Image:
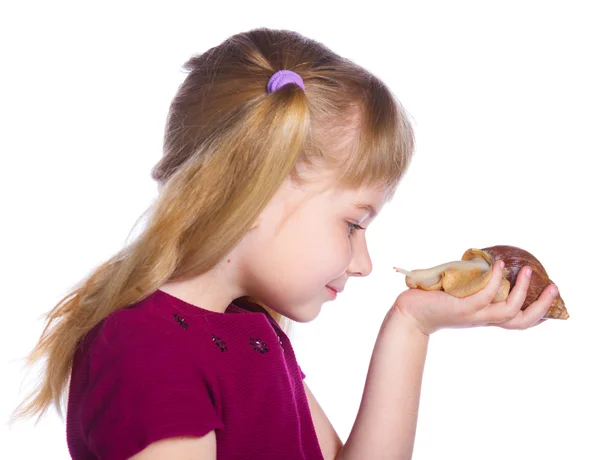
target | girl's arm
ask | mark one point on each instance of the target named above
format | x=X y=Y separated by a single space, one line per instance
x=387 y=418
x=386 y=423
x=329 y=441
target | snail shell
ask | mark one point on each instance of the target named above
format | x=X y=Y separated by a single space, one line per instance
x=473 y=272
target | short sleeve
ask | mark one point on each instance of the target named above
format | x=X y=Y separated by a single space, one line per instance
x=144 y=386
x=302 y=375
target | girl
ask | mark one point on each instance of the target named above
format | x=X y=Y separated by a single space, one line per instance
x=278 y=153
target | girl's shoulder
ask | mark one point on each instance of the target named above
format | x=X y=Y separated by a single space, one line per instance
x=145 y=323
x=164 y=327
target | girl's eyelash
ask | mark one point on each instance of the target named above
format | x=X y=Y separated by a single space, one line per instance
x=354 y=227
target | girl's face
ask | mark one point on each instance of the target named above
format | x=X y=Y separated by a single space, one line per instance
x=304 y=240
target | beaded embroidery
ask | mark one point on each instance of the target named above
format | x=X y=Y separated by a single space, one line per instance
x=219 y=342
x=180 y=320
x=258 y=345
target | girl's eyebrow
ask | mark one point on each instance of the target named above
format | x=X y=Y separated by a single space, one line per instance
x=366 y=207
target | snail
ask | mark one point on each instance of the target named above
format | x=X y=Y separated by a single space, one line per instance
x=472 y=273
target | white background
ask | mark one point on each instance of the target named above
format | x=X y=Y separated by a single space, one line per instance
x=505 y=102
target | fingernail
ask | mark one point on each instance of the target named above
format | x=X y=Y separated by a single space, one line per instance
x=553 y=290
x=501 y=264
x=527 y=271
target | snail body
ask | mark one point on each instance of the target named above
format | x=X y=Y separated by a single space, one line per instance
x=472 y=273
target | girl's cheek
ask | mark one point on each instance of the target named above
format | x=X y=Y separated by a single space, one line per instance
x=345 y=252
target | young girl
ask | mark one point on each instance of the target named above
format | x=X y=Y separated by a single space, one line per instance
x=278 y=153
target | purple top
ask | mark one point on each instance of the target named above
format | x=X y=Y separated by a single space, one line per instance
x=163 y=367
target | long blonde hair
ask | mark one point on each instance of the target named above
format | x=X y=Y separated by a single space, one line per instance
x=228 y=146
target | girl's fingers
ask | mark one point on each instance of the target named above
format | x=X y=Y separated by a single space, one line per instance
x=476 y=302
x=534 y=313
x=501 y=312
x=543 y=320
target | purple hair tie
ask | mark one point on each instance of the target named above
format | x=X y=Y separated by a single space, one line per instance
x=283 y=77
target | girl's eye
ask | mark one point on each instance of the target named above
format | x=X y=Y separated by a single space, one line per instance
x=354 y=227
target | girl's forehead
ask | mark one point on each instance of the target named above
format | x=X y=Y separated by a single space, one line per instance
x=322 y=186
x=366 y=199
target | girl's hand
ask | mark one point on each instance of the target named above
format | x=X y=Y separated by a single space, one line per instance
x=434 y=310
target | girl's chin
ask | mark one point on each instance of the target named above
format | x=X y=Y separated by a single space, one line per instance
x=307 y=315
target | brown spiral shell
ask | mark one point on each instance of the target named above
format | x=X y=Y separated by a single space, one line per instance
x=514 y=259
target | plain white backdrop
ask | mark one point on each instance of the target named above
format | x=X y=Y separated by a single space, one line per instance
x=504 y=98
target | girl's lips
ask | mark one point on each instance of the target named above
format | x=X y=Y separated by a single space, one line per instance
x=332 y=291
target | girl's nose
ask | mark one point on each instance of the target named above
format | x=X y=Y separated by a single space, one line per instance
x=360 y=264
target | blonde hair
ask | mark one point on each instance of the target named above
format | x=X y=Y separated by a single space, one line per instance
x=228 y=146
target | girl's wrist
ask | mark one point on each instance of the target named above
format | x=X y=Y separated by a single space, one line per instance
x=405 y=322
